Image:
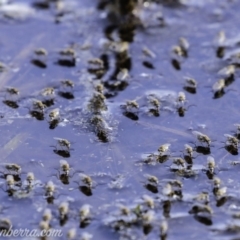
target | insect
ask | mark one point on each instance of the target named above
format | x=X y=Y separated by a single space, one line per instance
x=49 y=189
x=179 y=162
x=154 y=105
x=219 y=86
x=211 y=164
x=64 y=166
x=202 y=197
x=188 y=150
x=164 y=148
x=49 y=91
x=188 y=154
x=63 y=143
x=149 y=201
x=220 y=192
x=47 y=215
x=84 y=214
x=86 y=236
x=174 y=183
x=152 y=183
x=63 y=210
x=118 y=47
x=123 y=74
x=10 y=185
x=181 y=110
x=167 y=190
x=71 y=234
x=41 y=52
x=44 y=225
x=30 y=178
x=146 y=51
x=96 y=61
x=97 y=103
x=231 y=140
x=99 y=88
x=147 y=219
x=220 y=42
x=86 y=179
x=227 y=71
x=177 y=50
x=12 y=91
x=124 y=210
x=131 y=109
x=211 y=167
x=54 y=118
x=203 y=138
x=191 y=82
x=216 y=182
x=190 y=85
x=54 y=114
x=13 y=167
x=64 y=175
x=152 y=179
x=131 y=104
x=38 y=105
x=70 y=52
x=184 y=45
x=67 y=83
x=100 y=128
x=10 y=182
x=86 y=187
x=163 y=229
x=181 y=97
x=5 y=226
x=154 y=102
x=201 y=208
x=40 y=58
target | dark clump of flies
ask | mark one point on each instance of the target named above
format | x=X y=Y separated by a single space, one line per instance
x=124 y=24
x=100 y=128
x=119 y=79
x=97 y=122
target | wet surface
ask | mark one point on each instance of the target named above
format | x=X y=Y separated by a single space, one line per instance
x=110 y=119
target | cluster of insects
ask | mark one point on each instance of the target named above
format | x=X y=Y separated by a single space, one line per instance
x=14 y=185
x=40 y=104
x=110 y=73
x=66 y=57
